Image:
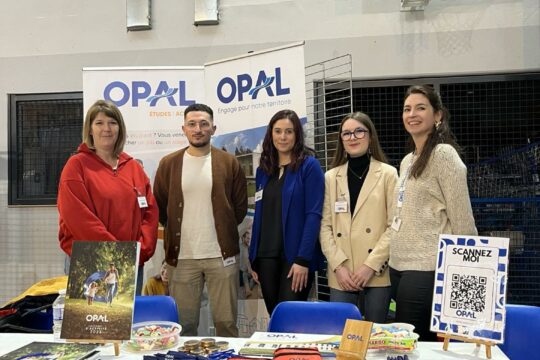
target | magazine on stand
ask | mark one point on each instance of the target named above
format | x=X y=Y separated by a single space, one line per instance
x=101 y=290
x=53 y=351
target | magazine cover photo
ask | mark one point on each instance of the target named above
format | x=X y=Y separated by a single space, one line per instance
x=101 y=290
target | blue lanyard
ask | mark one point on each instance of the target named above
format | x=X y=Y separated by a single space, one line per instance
x=401 y=192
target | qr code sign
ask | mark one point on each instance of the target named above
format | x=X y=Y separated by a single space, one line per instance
x=468 y=292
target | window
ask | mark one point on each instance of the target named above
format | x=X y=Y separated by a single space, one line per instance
x=44 y=130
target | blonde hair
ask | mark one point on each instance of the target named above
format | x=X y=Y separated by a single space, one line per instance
x=111 y=110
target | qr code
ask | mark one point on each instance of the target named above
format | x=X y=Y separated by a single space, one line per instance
x=468 y=292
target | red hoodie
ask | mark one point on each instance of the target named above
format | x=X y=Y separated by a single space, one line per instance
x=96 y=202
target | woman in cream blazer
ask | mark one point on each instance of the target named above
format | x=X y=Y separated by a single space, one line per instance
x=356 y=216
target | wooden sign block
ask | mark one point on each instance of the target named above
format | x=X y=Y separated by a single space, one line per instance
x=355 y=340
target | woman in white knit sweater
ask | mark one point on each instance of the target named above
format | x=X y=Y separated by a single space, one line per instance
x=431 y=198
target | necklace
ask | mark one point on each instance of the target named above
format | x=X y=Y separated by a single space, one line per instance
x=358 y=176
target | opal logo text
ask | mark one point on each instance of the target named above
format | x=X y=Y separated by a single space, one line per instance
x=93 y=318
x=244 y=85
x=466 y=314
x=121 y=93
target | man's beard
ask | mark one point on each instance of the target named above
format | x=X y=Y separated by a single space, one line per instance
x=199 y=145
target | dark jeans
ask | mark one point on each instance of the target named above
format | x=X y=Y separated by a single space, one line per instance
x=413 y=292
x=274 y=283
x=373 y=301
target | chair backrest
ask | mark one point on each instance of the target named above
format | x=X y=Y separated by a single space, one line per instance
x=155 y=308
x=312 y=317
x=521 y=331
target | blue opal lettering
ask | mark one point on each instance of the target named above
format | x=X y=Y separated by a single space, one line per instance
x=279 y=89
x=143 y=91
x=229 y=89
x=244 y=85
x=140 y=90
x=120 y=85
x=223 y=98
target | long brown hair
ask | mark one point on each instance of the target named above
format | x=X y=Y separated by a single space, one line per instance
x=340 y=157
x=269 y=162
x=440 y=134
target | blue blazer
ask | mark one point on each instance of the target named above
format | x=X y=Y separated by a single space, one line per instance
x=302 y=202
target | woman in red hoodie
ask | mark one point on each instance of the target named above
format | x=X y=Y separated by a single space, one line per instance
x=104 y=194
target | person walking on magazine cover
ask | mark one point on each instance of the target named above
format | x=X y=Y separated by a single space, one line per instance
x=111 y=281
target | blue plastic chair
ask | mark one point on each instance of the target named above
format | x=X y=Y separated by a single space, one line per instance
x=521 y=331
x=155 y=308
x=312 y=317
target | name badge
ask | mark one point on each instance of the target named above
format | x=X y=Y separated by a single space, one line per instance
x=142 y=201
x=229 y=261
x=258 y=195
x=396 y=223
x=341 y=207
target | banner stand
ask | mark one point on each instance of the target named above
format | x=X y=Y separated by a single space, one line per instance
x=478 y=342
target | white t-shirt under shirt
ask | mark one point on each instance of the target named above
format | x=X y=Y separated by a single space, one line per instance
x=199 y=237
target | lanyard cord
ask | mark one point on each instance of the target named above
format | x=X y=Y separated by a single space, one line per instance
x=401 y=192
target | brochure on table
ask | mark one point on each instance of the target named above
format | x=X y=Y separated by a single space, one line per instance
x=101 y=291
x=470 y=287
x=51 y=350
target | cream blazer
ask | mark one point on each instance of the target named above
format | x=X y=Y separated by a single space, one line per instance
x=362 y=238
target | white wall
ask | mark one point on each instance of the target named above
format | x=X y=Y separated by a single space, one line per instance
x=44 y=44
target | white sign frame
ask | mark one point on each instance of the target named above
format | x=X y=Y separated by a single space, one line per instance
x=471 y=269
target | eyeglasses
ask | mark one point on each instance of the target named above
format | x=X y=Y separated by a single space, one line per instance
x=203 y=125
x=358 y=133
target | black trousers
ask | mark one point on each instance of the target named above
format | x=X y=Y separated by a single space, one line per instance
x=413 y=292
x=274 y=283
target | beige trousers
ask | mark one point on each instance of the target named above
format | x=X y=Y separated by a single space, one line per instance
x=186 y=283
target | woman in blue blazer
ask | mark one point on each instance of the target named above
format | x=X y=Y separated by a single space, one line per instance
x=285 y=250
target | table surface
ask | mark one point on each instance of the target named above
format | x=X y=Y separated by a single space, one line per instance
x=425 y=350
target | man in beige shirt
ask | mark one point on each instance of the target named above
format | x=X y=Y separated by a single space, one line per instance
x=201 y=193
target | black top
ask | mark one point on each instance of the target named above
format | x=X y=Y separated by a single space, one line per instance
x=271 y=241
x=357 y=170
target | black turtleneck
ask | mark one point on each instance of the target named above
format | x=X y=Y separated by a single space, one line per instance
x=357 y=167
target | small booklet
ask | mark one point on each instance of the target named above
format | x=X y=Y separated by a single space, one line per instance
x=101 y=291
x=53 y=351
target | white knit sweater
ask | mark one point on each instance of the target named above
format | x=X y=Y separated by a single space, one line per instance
x=436 y=203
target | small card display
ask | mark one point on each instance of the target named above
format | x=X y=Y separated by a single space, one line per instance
x=470 y=287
